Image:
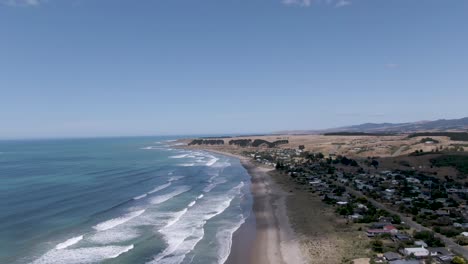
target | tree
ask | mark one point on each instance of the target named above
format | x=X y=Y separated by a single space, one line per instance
x=458 y=260
x=377 y=246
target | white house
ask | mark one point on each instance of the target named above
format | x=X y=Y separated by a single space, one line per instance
x=417 y=252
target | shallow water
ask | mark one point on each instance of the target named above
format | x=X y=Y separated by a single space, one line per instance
x=125 y=200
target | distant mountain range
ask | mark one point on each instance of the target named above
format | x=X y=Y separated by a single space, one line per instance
x=437 y=125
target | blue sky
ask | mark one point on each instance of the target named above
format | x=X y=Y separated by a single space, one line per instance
x=150 y=67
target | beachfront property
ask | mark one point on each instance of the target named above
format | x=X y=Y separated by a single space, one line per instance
x=388 y=229
x=411 y=194
x=418 y=252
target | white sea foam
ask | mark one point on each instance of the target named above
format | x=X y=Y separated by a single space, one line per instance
x=223 y=164
x=184 y=235
x=192 y=203
x=82 y=255
x=117 y=235
x=69 y=242
x=186 y=164
x=165 y=197
x=179 y=156
x=175 y=178
x=156 y=189
x=176 y=218
x=151 y=147
x=214 y=184
x=225 y=240
x=170 y=173
x=200 y=196
x=159 y=188
x=140 y=197
x=212 y=161
x=117 y=221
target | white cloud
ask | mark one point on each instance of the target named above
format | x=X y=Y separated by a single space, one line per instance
x=21 y=2
x=304 y=3
x=342 y=3
x=308 y=3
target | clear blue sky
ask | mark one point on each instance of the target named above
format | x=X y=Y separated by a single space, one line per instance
x=149 y=67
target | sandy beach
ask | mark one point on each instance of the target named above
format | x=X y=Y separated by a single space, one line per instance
x=274 y=241
x=289 y=224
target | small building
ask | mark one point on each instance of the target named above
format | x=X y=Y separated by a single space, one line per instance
x=389 y=256
x=420 y=243
x=403 y=261
x=417 y=252
x=402 y=237
x=439 y=251
x=388 y=229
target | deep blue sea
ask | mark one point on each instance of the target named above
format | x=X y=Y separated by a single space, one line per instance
x=118 y=200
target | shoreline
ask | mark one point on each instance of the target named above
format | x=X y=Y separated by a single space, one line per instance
x=274 y=240
x=291 y=224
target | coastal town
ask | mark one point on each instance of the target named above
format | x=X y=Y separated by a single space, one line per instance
x=406 y=216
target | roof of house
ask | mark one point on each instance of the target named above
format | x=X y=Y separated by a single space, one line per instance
x=392 y=256
x=420 y=243
x=401 y=261
x=418 y=251
x=377 y=231
x=440 y=251
x=402 y=236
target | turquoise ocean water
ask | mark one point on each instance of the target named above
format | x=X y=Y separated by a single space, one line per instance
x=118 y=200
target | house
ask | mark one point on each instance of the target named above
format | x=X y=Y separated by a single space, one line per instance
x=388 y=229
x=402 y=261
x=417 y=252
x=355 y=216
x=420 y=243
x=389 y=256
x=445 y=259
x=385 y=219
x=402 y=237
x=439 y=251
x=442 y=212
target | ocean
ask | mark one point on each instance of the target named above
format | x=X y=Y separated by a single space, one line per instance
x=118 y=200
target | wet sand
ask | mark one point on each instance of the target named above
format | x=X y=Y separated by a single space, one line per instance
x=267 y=236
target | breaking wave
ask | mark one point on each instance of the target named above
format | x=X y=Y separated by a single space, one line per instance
x=69 y=242
x=117 y=221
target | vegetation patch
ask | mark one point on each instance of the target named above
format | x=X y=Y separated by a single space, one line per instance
x=428 y=139
x=357 y=134
x=457 y=136
x=207 y=142
x=458 y=161
x=256 y=143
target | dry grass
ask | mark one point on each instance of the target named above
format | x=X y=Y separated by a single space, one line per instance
x=351 y=146
x=325 y=237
